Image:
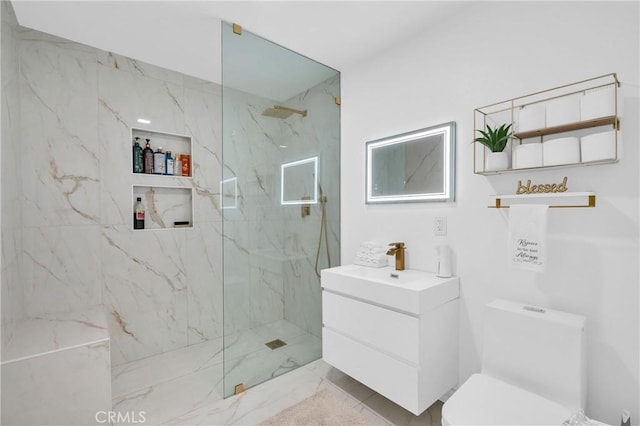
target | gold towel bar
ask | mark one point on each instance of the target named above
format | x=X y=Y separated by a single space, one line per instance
x=590 y=203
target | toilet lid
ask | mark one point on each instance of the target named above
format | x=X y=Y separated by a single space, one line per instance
x=483 y=400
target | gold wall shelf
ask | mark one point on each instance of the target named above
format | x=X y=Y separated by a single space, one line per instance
x=556 y=166
x=604 y=121
x=507 y=111
x=554 y=200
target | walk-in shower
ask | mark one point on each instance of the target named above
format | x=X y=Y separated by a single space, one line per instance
x=280 y=202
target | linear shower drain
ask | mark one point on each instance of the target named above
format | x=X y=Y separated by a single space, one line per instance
x=275 y=344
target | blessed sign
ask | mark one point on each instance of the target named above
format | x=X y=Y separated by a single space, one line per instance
x=541 y=188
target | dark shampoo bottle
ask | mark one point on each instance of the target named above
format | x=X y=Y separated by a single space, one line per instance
x=138 y=214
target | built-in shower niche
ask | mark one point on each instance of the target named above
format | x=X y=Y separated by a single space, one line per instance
x=168 y=198
x=166 y=207
x=178 y=145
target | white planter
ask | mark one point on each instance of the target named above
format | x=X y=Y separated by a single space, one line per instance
x=563 y=111
x=496 y=161
x=531 y=118
x=527 y=155
x=598 y=146
x=561 y=151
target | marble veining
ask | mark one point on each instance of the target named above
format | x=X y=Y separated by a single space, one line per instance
x=140 y=374
x=12 y=296
x=64 y=387
x=57 y=369
x=191 y=378
x=51 y=333
x=60 y=272
x=164 y=405
x=64 y=148
x=70 y=226
x=204 y=283
x=67 y=201
x=138 y=68
x=145 y=291
x=269 y=249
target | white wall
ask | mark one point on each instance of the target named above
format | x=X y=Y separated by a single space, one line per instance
x=492 y=52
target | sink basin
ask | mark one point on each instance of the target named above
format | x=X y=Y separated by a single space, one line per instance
x=410 y=291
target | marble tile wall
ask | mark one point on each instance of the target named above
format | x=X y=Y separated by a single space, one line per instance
x=57 y=370
x=252 y=230
x=317 y=134
x=12 y=290
x=170 y=293
x=67 y=387
x=270 y=248
x=162 y=289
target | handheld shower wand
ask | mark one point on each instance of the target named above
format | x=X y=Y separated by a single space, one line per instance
x=323 y=228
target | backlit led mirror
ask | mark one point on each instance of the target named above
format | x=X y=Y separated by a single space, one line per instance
x=299 y=182
x=229 y=193
x=411 y=167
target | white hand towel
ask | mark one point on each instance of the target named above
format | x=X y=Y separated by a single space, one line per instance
x=528 y=236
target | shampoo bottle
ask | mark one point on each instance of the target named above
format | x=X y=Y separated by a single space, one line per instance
x=168 y=169
x=148 y=157
x=159 y=160
x=186 y=164
x=177 y=166
x=138 y=214
x=138 y=159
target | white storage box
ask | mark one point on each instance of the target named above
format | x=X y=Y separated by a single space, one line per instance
x=598 y=103
x=561 y=151
x=563 y=111
x=598 y=146
x=527 y=155
x=531 y=118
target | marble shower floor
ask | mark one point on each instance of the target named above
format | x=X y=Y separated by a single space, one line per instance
x=184 y=387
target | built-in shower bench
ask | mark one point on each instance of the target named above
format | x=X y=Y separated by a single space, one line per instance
x=57 y=370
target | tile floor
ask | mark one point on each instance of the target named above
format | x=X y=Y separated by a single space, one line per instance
x=184 y=387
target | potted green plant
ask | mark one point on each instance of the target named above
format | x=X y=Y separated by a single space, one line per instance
x=495 y=139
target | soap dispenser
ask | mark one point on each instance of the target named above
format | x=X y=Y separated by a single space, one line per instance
x=444 y=262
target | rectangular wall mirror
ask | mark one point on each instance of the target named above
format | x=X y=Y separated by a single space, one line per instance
x=413 y=166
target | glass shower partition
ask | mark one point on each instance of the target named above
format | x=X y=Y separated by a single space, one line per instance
x=280 y=196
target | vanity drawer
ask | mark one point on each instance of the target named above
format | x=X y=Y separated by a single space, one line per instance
x=391 y=332
x=386 y=375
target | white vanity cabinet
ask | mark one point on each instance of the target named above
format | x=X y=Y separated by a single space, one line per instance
x=394 y=331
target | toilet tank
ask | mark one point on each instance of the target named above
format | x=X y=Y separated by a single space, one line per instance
x=540 y=350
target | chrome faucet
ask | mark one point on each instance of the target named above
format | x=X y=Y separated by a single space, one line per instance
x=398 y=251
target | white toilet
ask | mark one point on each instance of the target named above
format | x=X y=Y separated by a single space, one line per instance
x=533 y=369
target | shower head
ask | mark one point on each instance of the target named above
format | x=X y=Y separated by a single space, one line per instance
x=282 y=112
